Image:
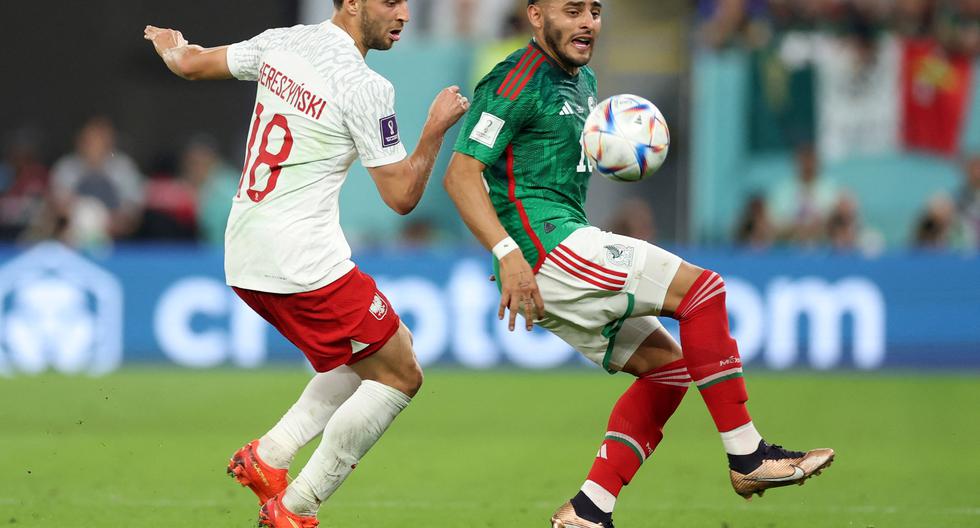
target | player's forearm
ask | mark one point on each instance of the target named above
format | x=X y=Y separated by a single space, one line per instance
x=420 y=163
x=195 y=63
x=465 y=187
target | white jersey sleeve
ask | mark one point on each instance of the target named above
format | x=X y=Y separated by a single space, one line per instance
x=370 y=119
x=245 y=58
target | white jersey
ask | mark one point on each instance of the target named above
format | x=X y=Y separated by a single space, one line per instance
x=318 y=108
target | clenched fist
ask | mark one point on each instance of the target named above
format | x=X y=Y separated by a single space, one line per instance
x=447 y=108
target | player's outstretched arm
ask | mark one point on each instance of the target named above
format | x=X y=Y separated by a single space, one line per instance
x=518 y=289
x=188 y=61
x=401 y=184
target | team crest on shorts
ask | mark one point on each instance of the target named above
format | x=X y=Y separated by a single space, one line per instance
x=379 y=308
x=620 y=254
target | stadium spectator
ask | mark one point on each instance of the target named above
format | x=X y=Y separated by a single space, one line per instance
x=418 y=232
x=634 y=217
x=843 y=226
x=914 y=18
x=968 y=201
x=97 y=192
x=732 y=22
x=754 y=227
x=215 y=182
x=169 y=206
x=23 y=185
x=194 y=202
x=958 y=28
x=514 y=33
x=800 y=206
x=846 y=231
x=468 y=19
x=938 y=225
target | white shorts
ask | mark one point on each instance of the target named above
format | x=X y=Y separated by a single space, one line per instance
x=602 y=291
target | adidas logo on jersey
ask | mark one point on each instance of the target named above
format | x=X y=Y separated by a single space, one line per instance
x=566 y=109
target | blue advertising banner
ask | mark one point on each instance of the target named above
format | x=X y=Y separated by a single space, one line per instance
x=66 y=312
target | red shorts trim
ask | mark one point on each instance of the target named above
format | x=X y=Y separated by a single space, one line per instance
x=326 y=323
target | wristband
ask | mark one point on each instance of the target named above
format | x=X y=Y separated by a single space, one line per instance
x=504 y=247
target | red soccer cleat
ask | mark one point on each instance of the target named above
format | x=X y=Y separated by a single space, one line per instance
x=274 y=515
x=249 y=470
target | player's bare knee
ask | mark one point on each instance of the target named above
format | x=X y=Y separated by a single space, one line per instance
x=408 y=332
x=408 y=371
x=413 y=379
x=711 y=289
x=657 y=350
x=687 y=274
x=674 y=353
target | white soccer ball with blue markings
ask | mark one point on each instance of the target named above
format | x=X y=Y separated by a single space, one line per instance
x=626 y=137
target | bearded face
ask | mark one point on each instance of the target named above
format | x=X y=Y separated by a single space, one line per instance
x=382 y=22
x=570 y=29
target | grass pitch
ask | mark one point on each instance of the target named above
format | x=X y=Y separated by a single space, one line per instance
x=147 y=448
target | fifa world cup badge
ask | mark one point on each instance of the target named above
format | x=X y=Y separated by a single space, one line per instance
x=389 y=131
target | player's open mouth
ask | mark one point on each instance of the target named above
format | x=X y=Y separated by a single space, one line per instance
x=395 y=34
x=582 y=43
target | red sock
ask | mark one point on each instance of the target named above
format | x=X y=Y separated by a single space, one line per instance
x=636 y=425
x=711 y=353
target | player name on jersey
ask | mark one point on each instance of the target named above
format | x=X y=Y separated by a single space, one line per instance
x=293 y=93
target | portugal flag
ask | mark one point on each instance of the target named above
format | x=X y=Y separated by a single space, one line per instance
x=935 y=91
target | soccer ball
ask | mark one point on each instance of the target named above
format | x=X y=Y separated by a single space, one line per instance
x=626 y=137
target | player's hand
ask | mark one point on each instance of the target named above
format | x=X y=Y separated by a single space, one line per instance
x=447 y=108
x=519 y=290
x=163 y=39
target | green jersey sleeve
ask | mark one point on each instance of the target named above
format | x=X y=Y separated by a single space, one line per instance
x=494 y=119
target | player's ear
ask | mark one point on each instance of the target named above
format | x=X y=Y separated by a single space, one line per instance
x=351 y=7
x=535 y=16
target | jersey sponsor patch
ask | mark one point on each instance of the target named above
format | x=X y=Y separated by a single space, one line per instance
x=487 y=129
x=389 y=131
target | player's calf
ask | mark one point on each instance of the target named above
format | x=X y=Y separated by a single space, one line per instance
x=390 y=375
x=716 y=368
x=634 y=430
x=394 y=365
x=711 y=353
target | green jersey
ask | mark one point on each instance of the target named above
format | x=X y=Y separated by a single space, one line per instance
x=525 y=124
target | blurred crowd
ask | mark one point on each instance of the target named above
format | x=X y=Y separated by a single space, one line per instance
x=954 y=24
x=806 y=210
x=97 y=194
x=834 y=80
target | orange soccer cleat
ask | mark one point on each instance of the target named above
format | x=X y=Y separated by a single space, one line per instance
x=249 y=470
x=274 y=515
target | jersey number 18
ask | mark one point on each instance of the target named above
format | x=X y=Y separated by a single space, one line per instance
x=273 y=160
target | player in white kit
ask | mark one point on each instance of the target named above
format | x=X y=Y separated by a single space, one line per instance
x=318 y=108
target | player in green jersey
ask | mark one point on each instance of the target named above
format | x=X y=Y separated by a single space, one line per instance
x=519 y=179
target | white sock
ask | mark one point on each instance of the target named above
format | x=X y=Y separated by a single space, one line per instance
x=604 y=500
x=349 y=434
x=742 y=440
x=308 y=416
